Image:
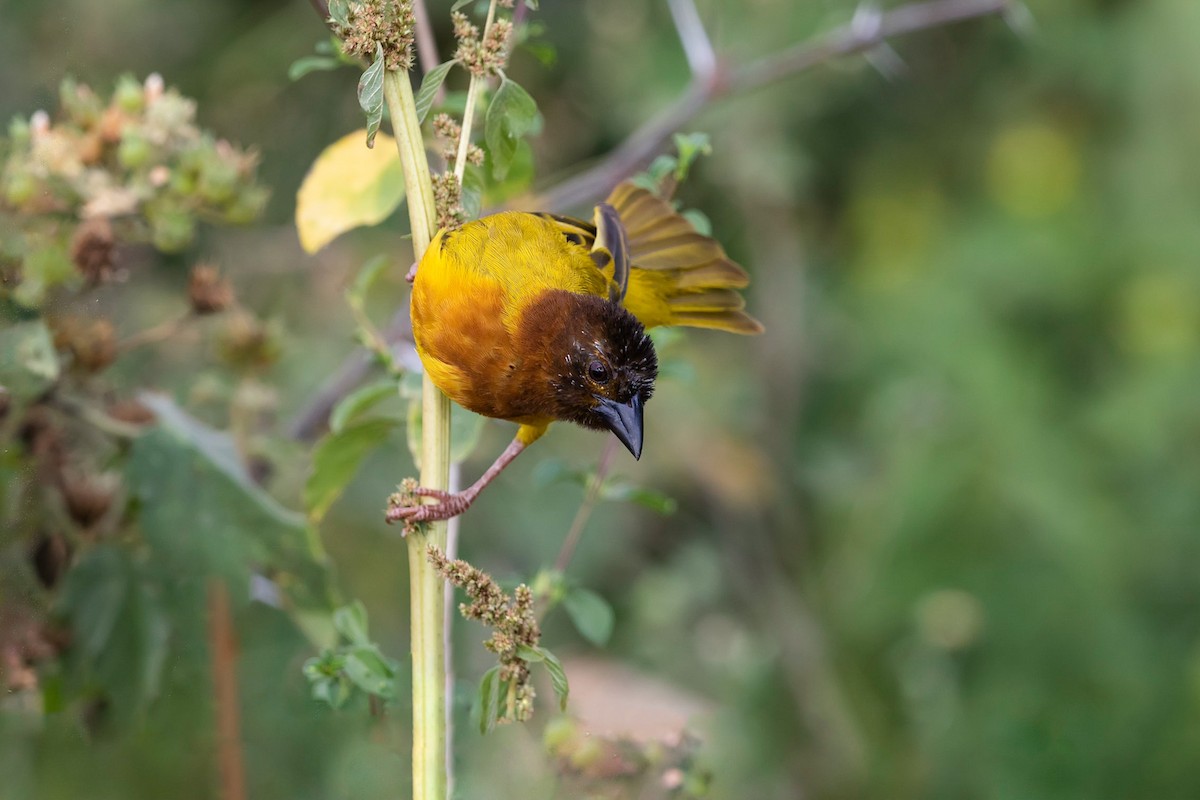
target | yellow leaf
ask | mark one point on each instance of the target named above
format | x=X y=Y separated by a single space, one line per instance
x=348 y=185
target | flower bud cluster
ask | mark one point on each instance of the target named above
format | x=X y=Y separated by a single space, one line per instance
x=391 y=25
x=135 y=154
x=511 y=618
x=447 y=197
x=486 y=56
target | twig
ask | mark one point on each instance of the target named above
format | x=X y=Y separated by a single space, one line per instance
x=476 y=86
x=427 y=53
x=98 y=419
x=223 y=647
x=322 y=9
x=867 y=31
x=697 y=47
x=587 y=506
x=157 y=333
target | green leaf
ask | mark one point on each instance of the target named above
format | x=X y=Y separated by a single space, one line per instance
x=554 y=470
x=339 y=11
x=93 y=594
x=459 y=4
x=121 y=631
x=302 y=66
x=543 y=52
x=201 y=513
x=533 y=655
x=532 y=5
x=623 y=491
x=511 y=115
x=327 y=679
x=337 y=458
x=370 y=94
x=370 y=671
x=356 y=295
x=429 y=88
x=590 y=613
x=360 y=401
x=661 y=167
x=548 y=586
x=44 y=268
x=558 y=676
x=333 y=691
x=28 y=363
x=690 y=147
x=472 y=191
x=699 y=221
x=489 y=699
x=351 y=622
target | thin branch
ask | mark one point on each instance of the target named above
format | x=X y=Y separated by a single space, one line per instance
x=697 y=47
x=98 y=419
x=473 y=90
x=322 y=9
x=163 y=330
x=427 y=53
x=866 y=32
x=223 y=654
x=587 y=506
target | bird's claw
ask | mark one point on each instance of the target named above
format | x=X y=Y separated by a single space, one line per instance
x=405 y=506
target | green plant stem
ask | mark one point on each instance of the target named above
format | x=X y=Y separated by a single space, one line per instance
x=477 y=82
x=428 y=654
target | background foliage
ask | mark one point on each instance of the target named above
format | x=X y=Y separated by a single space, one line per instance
x=936 y=530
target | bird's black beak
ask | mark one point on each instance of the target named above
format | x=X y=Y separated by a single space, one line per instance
x=624 y=420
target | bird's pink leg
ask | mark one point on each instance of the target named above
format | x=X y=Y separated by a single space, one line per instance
x=452 y=504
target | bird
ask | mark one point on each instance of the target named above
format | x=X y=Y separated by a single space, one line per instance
x=534 y=318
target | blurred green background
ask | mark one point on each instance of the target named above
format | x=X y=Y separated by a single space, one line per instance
x=937 y=529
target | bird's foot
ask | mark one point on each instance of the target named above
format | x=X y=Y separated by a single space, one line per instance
x=411 y=275
x=405 y=505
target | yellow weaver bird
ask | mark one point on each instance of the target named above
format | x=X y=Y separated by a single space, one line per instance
x=533 y=317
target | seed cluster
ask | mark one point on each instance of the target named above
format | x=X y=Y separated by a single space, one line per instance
x=511 y=619
x=486 y=56
x=380 y=22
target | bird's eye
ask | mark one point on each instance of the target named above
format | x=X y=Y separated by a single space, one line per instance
x=598 y=372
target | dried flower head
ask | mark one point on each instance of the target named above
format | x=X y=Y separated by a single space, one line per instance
x=486 y=56
x=447 y=196
x=88 y=496
x=92 y=250
x=92 y=343
x=511 y=618
x=379 y=22
x=208 y=291
x=131 y=411
x=247 y=343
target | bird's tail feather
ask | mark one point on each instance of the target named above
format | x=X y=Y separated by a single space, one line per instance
x=679 y=276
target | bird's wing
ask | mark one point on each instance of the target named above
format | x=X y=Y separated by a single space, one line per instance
x=606 y=243
x=612 y=242
x=678 y=275
x=657 y=265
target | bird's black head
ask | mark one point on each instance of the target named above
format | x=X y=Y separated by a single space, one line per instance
x=605 y=369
